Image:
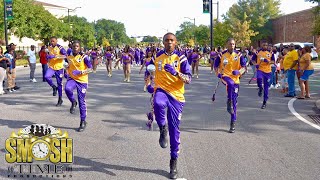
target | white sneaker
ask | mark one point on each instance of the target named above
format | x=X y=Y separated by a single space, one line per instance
x=13 y=90
x=197 y=76
x=34 y=80
x=31 y=80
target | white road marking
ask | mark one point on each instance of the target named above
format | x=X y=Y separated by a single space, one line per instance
x=294 y=112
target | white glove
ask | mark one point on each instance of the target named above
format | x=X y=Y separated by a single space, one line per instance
x=65 y=64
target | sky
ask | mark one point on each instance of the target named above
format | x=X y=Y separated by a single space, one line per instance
x=156 y=17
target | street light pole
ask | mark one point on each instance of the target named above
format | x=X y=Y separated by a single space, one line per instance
x=194 y=28
x=70 y=10
x=211 y=21
x=5 y=22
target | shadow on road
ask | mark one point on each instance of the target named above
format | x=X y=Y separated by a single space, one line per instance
x=95 y=166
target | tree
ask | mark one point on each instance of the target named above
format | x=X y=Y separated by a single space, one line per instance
x=202 y=34
x=105 y=42
x=32 y=21
x=221 y=33
x=258 y=13
x=150 y=39
x=241 y=32
x=114 y=31
x=316 y=27
x=185 y=34
x=81 y=30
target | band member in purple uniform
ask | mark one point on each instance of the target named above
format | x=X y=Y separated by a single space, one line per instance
x=79 y=66
x=147 y=61
x=109 y=55
x=56 y=57
x=172 y=71
x=229 y=66
x=126 y=58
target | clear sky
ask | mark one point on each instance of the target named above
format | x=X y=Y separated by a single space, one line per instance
x=155 y=17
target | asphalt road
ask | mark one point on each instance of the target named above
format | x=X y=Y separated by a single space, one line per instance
x=268 y=144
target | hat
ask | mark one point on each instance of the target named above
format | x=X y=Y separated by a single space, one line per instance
x=12 y=44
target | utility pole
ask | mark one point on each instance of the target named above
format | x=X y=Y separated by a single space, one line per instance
x=211 y=26
x=70 y=10
x=194 y=29
x=5 y=22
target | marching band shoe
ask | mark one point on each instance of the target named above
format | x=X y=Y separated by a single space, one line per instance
x=60 y=101
x=264 y=105
x=232 y=127
x=260 y=92
x=173 y=169
x=73 y=107
x=54 y=90
x=83 y=125
x=163 y=140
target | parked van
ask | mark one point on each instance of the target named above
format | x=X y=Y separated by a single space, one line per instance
x=298 y=45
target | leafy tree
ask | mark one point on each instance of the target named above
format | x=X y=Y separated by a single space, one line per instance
x=150 y=39
x=241 y=32
x=185 y=34
x=105 y=42
x=316 y=11
x=202 y=34
x=81 y=30
x=114 y=31
x=221 y=33
x=258 y=13
x=32 y=21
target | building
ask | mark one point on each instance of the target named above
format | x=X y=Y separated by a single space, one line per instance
x=295 y=27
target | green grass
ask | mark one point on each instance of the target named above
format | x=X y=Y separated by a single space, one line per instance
x=24 y=62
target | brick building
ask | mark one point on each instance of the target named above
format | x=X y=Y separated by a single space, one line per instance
x=295 y=27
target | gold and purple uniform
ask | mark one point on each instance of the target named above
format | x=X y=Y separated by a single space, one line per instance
x=169 y=93
x=228 y=65
x=264 y=59
x=79 y=62
x=55 y=66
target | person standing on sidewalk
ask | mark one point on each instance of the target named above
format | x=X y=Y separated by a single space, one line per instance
x=290 y=64
x=13 y=65
x=3 y=67
x=32 y=60
x=44 y=63
x=171 y=73
x=11 y=72
x=56 y=57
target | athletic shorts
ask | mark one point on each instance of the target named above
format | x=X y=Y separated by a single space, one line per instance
x=306 y=74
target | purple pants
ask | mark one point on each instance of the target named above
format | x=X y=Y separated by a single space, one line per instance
x=266 y=78
x=81 y=91
x=161 y=101
x=232 y=90
x=59 y=74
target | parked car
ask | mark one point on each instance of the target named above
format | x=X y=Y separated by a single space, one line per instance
x=298 y=45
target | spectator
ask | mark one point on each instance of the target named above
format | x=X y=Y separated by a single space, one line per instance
x=306 y=69
x=44 y=63
x=15 y=57
x=11 y=72
x=290 y=65
x=3 y=67
x=32 y=60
